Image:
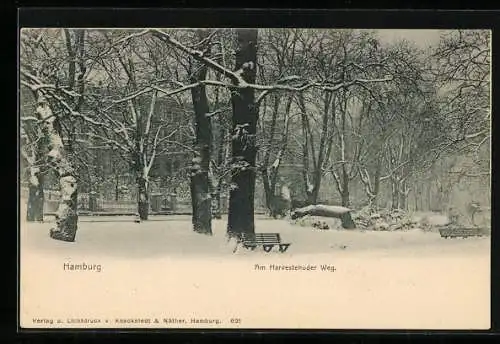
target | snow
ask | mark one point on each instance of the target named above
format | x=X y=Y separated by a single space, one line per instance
x=68 y=187
x=161 y=268
x=55 y=154
x=33 y=180
x=285 y=192
x=276 y=163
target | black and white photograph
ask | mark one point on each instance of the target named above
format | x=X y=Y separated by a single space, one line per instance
x=250 y=178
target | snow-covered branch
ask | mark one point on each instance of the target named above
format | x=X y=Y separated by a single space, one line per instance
x=36 y=84
x=55 y=155
x=235 y=77
x=110 y=141
x=152 y=88
x=29 y=158
x=150 y=116
x=239 y=82
x=391 y=173
x=28 y=118
x=472 y=136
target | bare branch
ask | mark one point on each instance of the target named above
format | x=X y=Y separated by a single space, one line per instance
x=235 y=77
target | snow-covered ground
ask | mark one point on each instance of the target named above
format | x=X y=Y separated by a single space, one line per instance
x=161 y=269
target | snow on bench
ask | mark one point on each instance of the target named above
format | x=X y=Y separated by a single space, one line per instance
x=464 y=232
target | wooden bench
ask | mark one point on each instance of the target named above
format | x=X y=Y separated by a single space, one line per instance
x=463 y=232
x=266 y=240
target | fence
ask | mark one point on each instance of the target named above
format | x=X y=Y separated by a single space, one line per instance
x=95 y=203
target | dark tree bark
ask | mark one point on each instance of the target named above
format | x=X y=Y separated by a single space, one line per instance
x=318 y=168
x=244 y=128
x=274 y=202
x=376 y=188
x=403 y=196
x=345 y=197
x=217 y=156
x=345 y=174
x=37 y=170
x=200 y=183
x=372 y=187
x=117 y=188
x=395 y=195
x=143 y=198
x=309 y=186
x=312 y=172
x=76 y=80
x=35 y=197
x=268 y=193
x=269 y=187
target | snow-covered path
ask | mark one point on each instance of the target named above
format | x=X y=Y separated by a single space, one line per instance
x=161 y=269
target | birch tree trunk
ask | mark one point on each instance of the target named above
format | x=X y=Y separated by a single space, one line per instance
x=67 y=216
x=200 y=183
x=244 y=128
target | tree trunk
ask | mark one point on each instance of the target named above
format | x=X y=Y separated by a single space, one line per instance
x=143 y=198
x=279 y=203
x=67 y=216
x=219 y=144
x=117 y=188
x=345 y=188
x=217 y=155
x=268 y=193
x=416 y=193
x=244 y=128
x=403 y=196
x=308 y=187
x=395 y=195
x=216 y=202
x=318 y=164
x=376 y=187
x=345 y=197
x=402 y=201
x=267 y=176
x=200 y=199
x=200 y=182
x=312 y=195
x=342 y=213
x=214 y=175
x=35 y=197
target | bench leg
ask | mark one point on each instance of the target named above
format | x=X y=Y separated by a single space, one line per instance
x=268 y=248
x=284 y=247
x=251 y=247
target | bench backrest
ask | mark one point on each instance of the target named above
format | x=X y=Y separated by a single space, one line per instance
x=262 y=238
x=461 y=231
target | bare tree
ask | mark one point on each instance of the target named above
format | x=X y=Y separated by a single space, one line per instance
x=67 y=216
x=42 y=74
x=200 y=188
x=33 y=153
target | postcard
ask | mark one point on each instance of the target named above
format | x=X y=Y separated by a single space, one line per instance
x=256 y=178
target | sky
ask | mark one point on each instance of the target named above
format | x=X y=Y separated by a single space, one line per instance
x=422 y=38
